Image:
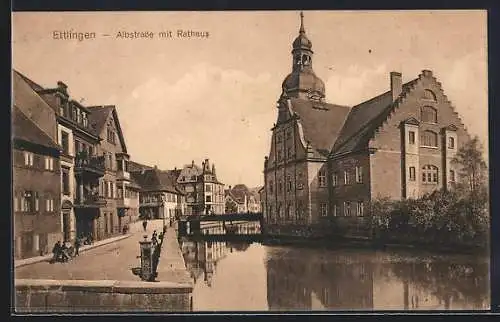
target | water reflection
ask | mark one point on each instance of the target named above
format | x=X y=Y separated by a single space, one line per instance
x=312 y=279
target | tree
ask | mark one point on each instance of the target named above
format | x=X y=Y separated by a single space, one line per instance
x=231 y=207
x=472 y=167
x=473 y=183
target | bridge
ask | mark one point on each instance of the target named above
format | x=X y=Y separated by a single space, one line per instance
x=221 y=225
x=227 y=217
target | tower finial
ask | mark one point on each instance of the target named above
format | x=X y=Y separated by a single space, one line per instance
x=302 y=30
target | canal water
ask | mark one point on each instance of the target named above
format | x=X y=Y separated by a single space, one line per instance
x=253 y=277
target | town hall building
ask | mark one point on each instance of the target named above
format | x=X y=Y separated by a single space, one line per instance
x=327 y=162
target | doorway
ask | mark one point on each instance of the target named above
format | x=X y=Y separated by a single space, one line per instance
x=66 y=225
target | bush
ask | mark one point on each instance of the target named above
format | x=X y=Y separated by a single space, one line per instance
x=438 y=217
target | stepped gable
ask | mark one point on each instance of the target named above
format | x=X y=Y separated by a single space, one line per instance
x=365 y=118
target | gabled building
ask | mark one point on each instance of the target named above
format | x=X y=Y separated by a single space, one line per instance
x=160 y=198
x=328 y=162
x=93 y=163
x=36 y=187
x=241 y=199
x=204 y=192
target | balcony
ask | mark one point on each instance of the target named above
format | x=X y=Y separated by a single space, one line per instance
x=89 y=165
x=123 y=175
x=123 y=203
x=90 y=201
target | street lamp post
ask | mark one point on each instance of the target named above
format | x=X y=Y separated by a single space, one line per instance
x=163 y=207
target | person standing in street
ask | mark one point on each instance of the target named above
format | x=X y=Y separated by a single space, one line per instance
x=145 y=224
x=78 y=243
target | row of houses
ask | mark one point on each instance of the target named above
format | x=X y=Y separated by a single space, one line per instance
x=328 y=162
x=73 y=176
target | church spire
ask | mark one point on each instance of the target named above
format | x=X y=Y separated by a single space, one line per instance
x=302 y=30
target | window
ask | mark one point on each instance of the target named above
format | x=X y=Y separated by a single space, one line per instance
x=280 y=186
x=335 y=179
x=429 y=174
x=209 y=199
x=278 y=138
x=49 y=163
x=451 y=143
x=322 y=178
x=65 y=181
x=27 y=202
x=323 y=209
x=208 y=188
x=65 y=142
x=428 y=114
x=289 y=152
x=85 y=120
x=49 y=204
x=452 y=175
x=335 y=210
x=347 y=177
x=300 y=179
x=288 y=183
x=347 y=208
x=111 y=136
x=271 y=186
x=74 y=113
x=411 y=137
x=280 y=155
x=36 y=201
x=28 y=158
x=359 y=209
x=119 y=192
x=429 y=139
x=412 y=174
x=429 y=95
x=288 y=134
x=359 y=174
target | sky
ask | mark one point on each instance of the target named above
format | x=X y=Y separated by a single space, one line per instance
x=182 y=99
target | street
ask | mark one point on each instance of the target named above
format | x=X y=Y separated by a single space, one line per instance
x=114 y=261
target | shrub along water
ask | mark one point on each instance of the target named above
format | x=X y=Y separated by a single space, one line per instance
x=458 y=215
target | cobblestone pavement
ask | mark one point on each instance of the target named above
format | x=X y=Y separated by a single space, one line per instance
x=114 y=261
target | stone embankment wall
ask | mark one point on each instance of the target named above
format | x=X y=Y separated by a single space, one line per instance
x=47 y=296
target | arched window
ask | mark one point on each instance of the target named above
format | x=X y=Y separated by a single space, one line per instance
x=430 y=174
x=428 y=114
x=429 y=138
x=429 y=95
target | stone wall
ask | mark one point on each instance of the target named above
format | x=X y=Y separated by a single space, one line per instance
x=44 y=296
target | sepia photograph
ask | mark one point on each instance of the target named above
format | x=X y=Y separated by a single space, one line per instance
x=291 y=161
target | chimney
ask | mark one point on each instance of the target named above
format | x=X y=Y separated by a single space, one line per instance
x=396 y=85
x=192 y=163
x=62 y=87
x=229 y=187
x=156 y=167
x=427 y=73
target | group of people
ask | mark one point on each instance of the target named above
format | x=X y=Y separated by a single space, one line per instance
x=63 y=252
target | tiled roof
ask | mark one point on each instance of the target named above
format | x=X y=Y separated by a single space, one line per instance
x=136 y=166
x=31 y=83
x=98 y=116
x=155 y=180
x=321 y=122
x=26 y=130
x=364 y=119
